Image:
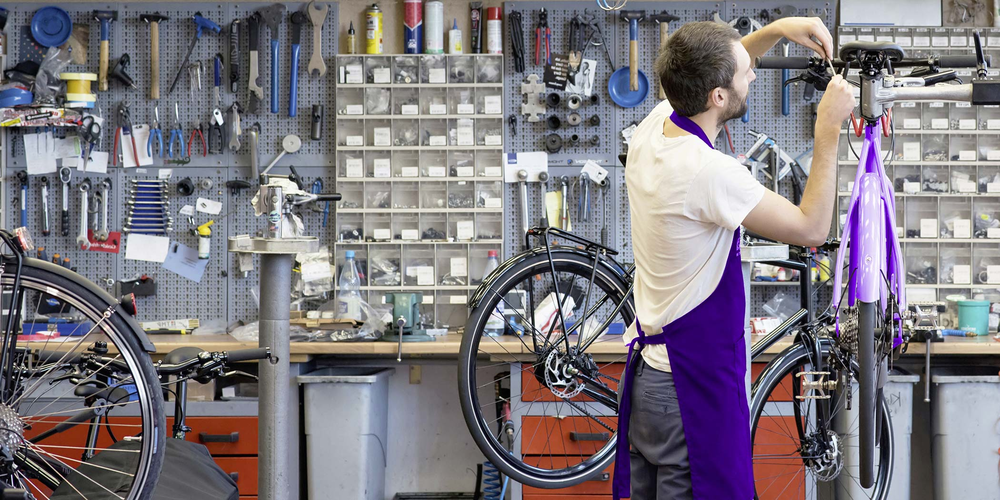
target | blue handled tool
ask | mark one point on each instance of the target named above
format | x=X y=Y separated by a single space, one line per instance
x=296 y=19
x=105 y=17
x=177 y=134
x=200 y=23
x=317 y=188
x=633 y=17
x=272 y=17
x=785 y=91
x=155 y=133
x=22 y=177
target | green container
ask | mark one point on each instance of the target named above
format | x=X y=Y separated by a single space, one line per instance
x=974 y=315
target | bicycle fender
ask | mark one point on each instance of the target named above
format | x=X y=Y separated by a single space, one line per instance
x=870 y=242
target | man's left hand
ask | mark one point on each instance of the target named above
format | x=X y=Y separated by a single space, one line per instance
x=809 y=32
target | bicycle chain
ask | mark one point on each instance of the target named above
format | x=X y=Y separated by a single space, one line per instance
x=587 y=413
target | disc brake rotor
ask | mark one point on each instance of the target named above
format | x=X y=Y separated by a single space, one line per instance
x=559 y=376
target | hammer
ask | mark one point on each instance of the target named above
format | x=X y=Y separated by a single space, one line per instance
x=105 y=17
x=633 y=18
x=154 y=20
x=663 y=19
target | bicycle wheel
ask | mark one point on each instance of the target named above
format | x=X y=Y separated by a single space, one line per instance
x=512 y=387
x=805 y=447
x=866 y=391
x=68 y=399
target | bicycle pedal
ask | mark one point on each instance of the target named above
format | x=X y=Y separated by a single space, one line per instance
x=821 y=384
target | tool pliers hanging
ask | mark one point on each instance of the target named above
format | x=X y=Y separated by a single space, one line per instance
x=543 y=29
x=124 y=128
x=177 y=134
x=197 y=131
x=155 y=133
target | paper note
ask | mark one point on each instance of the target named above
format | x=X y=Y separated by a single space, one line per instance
x=410 y=172
x=438 y=109
x=409 y=109
x=911 y=187
x=459 y=267
x=465 y=135
x=187 y=210
x=437 y=171
x=465 y=171
x=165 y=173
x=993 y=232
x=963 y=228
x=967 y=124
x=466 y=230
x=964 y=186
x=928 y=228
x=595 y=172
x=436 y=75
x=146 y=247
x=911 y=151
x=355 y=109
x=466 y=109
x=383 y=167
x=493 y=171
x=993 y=187
x=183 y=260
x=355 y=167
x=410 y=234
x=98 y=163
x=532 y=163
x=425 y=275
x=438 y=140
x=993 y=124
x=39 y=153
x=355 y=140
x=993 y=274
x=380 y=75
x=68 y=147
x=967 y=155
x=939 y=123
x=492 y=105
x=382 y=234
x=962 y=274
x=493 y=140
x=553 y=210
x=382 y=136
x=208 y=206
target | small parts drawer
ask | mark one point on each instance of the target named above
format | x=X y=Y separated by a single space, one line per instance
x=601 y=484
x=225 y=435
x=532 y=390
x=564 y=435
x=243 y=470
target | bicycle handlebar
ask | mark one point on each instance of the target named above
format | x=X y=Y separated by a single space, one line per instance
x=248 y=354
x=944 y=61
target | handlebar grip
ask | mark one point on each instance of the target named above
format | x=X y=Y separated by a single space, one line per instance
x=778 y=62
x=248 y=354
x=57 y=356
x=329 y=197
x=957 y=61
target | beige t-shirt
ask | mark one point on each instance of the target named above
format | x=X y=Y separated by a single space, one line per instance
x=686 y=201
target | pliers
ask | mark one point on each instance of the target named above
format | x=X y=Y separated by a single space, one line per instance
x=124 y=128
x=177 y=133
x=155 y=133
x=196 y=131
x=543 y=29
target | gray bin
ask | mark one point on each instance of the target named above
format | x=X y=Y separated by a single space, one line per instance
x=965 y=406
x=346 y=422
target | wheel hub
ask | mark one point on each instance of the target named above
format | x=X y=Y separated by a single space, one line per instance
x=11 y=431
x=560 y=375
x=828 y=455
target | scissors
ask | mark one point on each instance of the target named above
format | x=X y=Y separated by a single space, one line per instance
x=90 y=133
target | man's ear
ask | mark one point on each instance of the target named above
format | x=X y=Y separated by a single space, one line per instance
x=717 y=98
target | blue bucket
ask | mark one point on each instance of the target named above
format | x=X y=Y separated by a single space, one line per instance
x=974 y=315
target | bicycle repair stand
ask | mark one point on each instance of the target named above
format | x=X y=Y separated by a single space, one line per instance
x=274 y=413
x=926 y=329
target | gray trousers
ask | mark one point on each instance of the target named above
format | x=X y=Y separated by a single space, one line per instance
x=659 y=455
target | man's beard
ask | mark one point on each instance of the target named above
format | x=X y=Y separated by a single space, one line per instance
x=735 y=109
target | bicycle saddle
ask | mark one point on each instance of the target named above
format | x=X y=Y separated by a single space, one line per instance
x=182 y=354
x=849 y=52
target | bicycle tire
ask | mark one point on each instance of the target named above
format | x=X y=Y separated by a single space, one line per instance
x=866 y=391
x=89 y=298
x=510 y=277
x=785 y=365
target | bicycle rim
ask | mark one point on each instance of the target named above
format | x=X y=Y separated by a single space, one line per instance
x=51 y=382
x=536 y=448
x=786 y=430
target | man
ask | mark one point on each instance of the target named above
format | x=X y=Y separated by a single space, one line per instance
x=684 y=408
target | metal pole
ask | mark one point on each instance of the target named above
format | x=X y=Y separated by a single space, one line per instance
x=273 y=411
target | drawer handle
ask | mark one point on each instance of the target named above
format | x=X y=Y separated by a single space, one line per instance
x=219 y=438
x=235 y=476
x=584 y=436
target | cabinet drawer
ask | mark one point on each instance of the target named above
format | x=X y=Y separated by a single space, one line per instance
x=245 y=469
x=566 y=435
x=532 y=390
x=787 y=481
x=599 y=485
x=781 y=393
x=224 y=435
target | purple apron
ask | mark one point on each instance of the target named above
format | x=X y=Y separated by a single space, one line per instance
x=707 y=355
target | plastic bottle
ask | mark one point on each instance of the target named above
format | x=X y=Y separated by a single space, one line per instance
x=454 y=38
x=349 y=298
x=495 y=324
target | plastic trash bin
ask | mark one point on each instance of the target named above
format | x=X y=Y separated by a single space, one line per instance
x=898 y=393
x=965 y=408
x=346 y=422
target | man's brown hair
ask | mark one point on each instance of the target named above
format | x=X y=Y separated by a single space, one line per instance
x=697 y=58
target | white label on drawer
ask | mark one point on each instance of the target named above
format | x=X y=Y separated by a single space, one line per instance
x=465 y=136
x=928 y=228
x=959 y=41
x=850 y=186
x=866 y=38
x=410 y=234
x=911 y=151
x=494 y=171
x=967 y=124
x=883 y=38
x=961 y=274
x=439 y=109
x=355 y=109
x=993 y=41
x=911 y=123
x=380 y=75
x=382 y=136
x=939 y=41
x=459 y=299
x=428 y=299
x=355 y=73
x=992 y=274
x=355 y=140
x=438 y=140
x=993 y=155
x=459 y=267
x=963 y=228
x=410 y=172
x=911 y=187
x=466 y=109
x=921 y=41
x=963 y=104
x=846 y=38
x=465 y=171
x=967 y=155
x=493 y=202
x=435 y=172
x=382 y=234
x=936 y=104
x=939 y=123
x=965 y=186
x=383 y=168
x=993 y=232
x=466 y=230
x=904 y=41
x=436 y=75
x=425 y=275
x=907 y=104
x=355 y=167
x=409 y=109
x=993 y=124
x=492 y=105
x=993 y=187
x=493 y=140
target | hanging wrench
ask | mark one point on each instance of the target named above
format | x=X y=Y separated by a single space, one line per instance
x=45 y=206
x=22 y=178
x=81 y=239
x=96 y=201
x=65 y=174
x=235 y=130
x=102 y=234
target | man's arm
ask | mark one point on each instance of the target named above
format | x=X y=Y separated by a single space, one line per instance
x=809 y=32
x=808 y=224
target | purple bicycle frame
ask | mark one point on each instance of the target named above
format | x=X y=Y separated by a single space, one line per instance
x=871 y=229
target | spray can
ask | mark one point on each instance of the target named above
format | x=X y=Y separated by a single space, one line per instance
x=352 y=40
x=434 y=27
x=494 y=31
x=413 y=26
x=373 y=30
x=205 y=239
x=476 y=31
x=455 y=38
